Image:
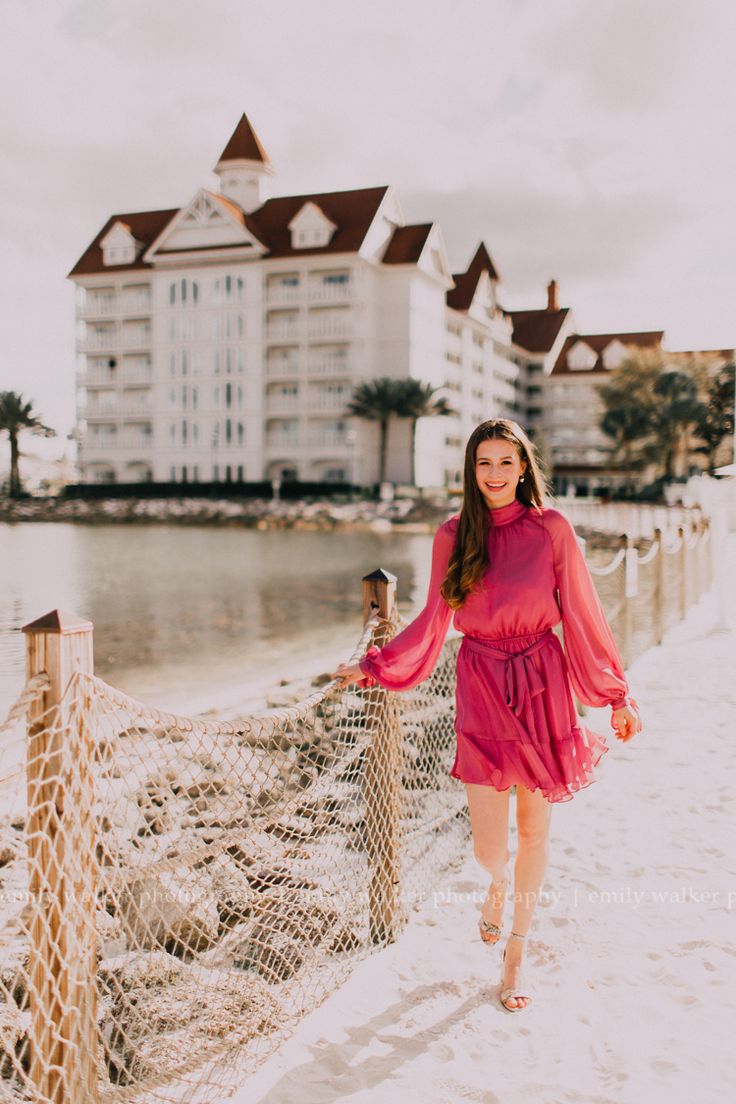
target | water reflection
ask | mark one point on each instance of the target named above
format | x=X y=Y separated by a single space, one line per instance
x=180 y=613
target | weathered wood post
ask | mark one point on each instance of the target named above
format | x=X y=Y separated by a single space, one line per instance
x=60 y=836
x=659 y=584
x=628 y=591
x=382 y=775
x=682 y=558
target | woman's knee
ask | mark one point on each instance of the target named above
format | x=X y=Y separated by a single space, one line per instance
x=533 y=836
x=489 y=857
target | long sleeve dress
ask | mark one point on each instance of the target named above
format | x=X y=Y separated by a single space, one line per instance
x=515 y=718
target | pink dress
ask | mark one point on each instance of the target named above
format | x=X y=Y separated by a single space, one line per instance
x=516 y=721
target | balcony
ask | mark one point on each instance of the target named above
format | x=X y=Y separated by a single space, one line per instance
x=282 y=440
x=331 y=293
x=102 y=307
x=328 y=366
x=277 y=331
x=330 y=327
x=135 y=304
x=283 y=295
x=99 y=342
x=119 y=442
x=328 y=438
x=136 y=338
x=317 y=401
x=276 y=368
x=97 y=378
x=283 y=404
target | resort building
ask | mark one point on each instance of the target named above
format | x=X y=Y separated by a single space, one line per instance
x=221 y=341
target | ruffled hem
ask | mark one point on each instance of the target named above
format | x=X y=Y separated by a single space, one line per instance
x=561 y=773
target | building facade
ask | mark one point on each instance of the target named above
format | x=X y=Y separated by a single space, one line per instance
x=223 y=340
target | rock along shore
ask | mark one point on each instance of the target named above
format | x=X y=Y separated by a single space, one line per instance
x=411 y=514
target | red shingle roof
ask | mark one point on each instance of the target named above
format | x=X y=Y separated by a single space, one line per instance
x=145 y=226
x=244 y=145
x=537 y=330
x=352 y=212
x=461 y=296
x=650 y=339
x=407 y=243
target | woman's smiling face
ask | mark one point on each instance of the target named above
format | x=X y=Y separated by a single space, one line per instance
x=498 y=469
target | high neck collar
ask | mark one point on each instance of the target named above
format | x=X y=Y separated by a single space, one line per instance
x=501 y=515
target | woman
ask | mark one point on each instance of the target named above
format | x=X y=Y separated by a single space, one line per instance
x=511 y=568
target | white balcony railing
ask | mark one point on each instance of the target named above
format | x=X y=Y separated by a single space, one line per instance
x=98 y=308
x=98 y=379
x=332 y=438
x=282 y=440
x=282 y=367
x=135 y=304
x=99 y=342
x=328 y=366
x=278 y=403
x=330 y=293
x=133 y=443
x=330 y=327
x=328 y=402
x=283 y=295
x=277 y=331
x=136 y=339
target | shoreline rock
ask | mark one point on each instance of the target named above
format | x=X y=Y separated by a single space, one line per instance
x=412 y=514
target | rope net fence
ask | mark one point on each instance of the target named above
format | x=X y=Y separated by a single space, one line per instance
x=178 y=893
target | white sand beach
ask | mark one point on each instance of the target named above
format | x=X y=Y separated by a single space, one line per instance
x=631 y=957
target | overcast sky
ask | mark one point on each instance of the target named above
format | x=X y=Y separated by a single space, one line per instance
x=589 y=140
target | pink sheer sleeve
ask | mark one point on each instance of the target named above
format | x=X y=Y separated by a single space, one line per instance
x=411 y=655
x=595 y=667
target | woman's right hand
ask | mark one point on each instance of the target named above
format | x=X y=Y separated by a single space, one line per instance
x=347 y=673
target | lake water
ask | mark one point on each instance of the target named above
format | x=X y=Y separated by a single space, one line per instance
x=191 y=618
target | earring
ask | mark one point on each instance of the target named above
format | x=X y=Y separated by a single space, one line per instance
x=522 y=479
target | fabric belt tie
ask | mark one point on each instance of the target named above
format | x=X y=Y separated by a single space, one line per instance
x=522 y=678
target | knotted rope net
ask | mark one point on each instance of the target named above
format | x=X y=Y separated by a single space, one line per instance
x=185 y=891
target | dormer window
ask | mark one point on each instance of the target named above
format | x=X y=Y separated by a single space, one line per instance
x=581 y=357
x=119 y=247
x=614 y=354
x=311 y=228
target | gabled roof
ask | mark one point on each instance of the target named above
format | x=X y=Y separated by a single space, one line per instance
x=352 y=213
x=461 y=296
x=407 y=243
x=537 y=330
x=645 y=339
x=244 y=145
x=145 y=226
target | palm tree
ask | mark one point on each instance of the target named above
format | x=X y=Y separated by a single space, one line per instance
x=17 y=414
x=376 y=401
x=416 y=400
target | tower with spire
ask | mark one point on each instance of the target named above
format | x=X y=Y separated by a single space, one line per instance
x=245 y=169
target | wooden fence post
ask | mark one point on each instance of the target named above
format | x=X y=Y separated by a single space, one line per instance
x=659 y=595
x=382 y=776
x=627 y=609
x=60 y=836
x=683 y=558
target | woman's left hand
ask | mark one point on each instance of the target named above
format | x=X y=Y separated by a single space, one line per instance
x=626 y=722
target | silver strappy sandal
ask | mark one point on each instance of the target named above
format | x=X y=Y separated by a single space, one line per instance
x=513 y=991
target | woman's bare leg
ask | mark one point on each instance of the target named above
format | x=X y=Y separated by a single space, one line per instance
x=533 y=813
x=489 y=823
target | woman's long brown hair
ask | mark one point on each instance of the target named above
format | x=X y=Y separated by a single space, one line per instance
x=469 y=561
